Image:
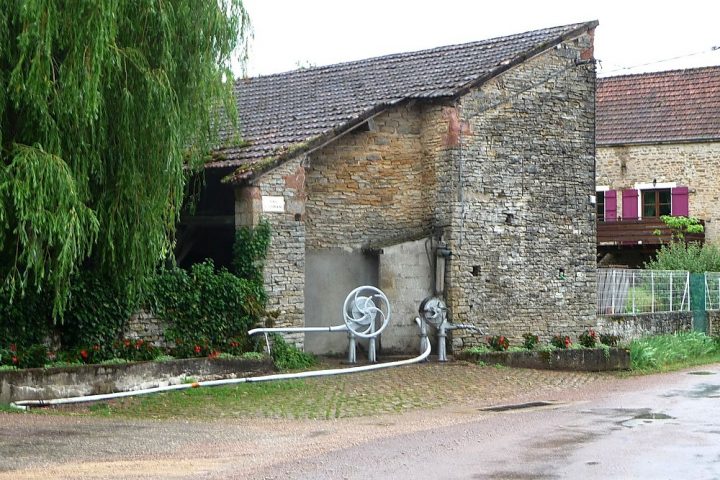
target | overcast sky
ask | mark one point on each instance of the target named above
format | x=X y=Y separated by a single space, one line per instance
x=632 y=33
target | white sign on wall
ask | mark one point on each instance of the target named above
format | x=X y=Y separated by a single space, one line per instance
x=273 y=204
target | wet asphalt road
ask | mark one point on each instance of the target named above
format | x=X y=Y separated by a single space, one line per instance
x=661 y=426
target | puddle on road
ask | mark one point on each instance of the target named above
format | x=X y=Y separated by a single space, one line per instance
x=631 y=417
x=519 y=406
x=645 y=418
x=704 y=390
x=701 y=373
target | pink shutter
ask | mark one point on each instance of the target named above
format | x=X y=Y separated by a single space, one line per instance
x=610 y=206
x=630 y=204
x=680 y=205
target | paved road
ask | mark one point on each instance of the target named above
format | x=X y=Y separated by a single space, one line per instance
x=660 y=427
x=663 y=426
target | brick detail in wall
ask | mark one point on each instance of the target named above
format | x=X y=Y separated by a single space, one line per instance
x=694 y=165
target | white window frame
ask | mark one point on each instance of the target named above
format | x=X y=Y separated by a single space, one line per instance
x=600 y=188
x=651 y=186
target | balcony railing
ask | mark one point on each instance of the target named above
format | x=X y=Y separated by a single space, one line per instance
x=647 y=231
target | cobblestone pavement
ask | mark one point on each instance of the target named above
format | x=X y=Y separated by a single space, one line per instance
x=435 y=384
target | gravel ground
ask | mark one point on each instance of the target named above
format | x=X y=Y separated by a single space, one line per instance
x=429 y=396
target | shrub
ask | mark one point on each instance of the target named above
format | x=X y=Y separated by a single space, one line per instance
x=530 y=340
x=26 y=320
x=34 y=356
x=498 y=343
x=134 y=350
x=97 y=312
x=288 y=357
x=609 y=340
x=203 y=306
x=693 y=257
x=665 y=350
x=560 y=341
x=589 y=338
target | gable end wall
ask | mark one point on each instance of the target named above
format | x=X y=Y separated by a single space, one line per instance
x=523 y=228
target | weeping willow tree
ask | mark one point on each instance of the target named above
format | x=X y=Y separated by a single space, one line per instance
x=105 y=105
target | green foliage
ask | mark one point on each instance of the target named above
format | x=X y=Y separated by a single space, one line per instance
x=609 y=339
x=589 y=338
x=682 y=225
x=34 y=357
x=288 y=357
x=498 y=343
x=204 y=307
x=667 y=351
x=25 y=321
x=98 y=120
x=693 y=257
x=134 y=350
x=249 y=251
x=560 y=341
x=97 y=311
x=530 y=340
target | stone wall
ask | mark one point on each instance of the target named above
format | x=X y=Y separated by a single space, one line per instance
x=523 y=226
x=370 y=187
x=694 y=165
x=285 y=263
x=147 y=327
x=631 y=327
x=714 y=322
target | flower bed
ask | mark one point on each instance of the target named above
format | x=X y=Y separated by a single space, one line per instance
x=586 y=359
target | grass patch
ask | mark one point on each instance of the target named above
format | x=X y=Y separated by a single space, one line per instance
x=664 y=353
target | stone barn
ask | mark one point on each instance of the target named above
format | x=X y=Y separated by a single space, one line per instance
x=466 y=171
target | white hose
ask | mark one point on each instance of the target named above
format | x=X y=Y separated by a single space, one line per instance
x=26 y=404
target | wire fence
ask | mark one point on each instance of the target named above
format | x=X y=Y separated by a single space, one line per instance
x=712 y=290
x=624 y=291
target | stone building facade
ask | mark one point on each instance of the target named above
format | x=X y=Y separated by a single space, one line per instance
x=660 y=132
x=500 y=169
x=693 y=164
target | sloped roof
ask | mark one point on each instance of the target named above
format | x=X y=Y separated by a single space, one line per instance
x=281 y=115
x=671 y=106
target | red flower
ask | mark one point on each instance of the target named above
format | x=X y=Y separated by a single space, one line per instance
x=138 y=344
x=197 y=349
x=214 y=354
x=13 y=347
x=126 y=342
x=84 y=354
x=567 y=342
x=15 y=360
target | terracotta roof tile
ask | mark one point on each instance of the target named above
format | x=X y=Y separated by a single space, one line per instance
x=280 y=112
x=677 y=105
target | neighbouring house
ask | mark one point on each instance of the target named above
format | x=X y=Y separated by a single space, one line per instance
x=480 y=154
x=658 y=153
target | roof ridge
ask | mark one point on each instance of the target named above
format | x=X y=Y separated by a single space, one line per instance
x=405 y=54
x=660 y=73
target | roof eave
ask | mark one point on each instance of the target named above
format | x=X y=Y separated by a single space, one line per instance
x=672 y=141
x=253 y=171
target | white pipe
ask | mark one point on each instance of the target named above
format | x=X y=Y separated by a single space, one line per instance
x=336 y=328
x=26 y=404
